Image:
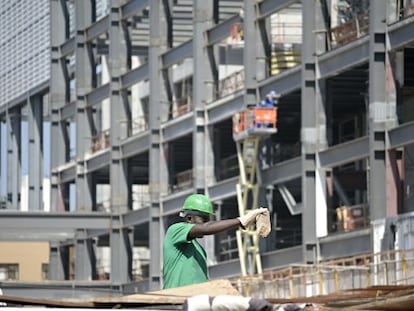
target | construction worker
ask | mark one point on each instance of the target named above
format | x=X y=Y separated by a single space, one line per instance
x=185 y=260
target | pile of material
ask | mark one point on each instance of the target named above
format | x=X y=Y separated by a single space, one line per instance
x=220 y=295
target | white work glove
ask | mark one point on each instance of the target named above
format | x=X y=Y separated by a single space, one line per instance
x=250 y=217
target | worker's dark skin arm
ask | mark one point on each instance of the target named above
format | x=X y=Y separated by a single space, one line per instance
x=212 y=227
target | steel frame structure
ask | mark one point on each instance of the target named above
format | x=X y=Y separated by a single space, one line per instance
x=79 y=229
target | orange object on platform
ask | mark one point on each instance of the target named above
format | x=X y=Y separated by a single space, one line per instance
x=254 y=118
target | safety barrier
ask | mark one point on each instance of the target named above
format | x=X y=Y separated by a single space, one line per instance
x=387 y=268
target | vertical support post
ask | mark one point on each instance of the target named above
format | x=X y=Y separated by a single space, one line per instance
x=158 y=172
x=14 y=171
x=58 y=98
x=121 y=252
x=83 y=73
x=85 y=260
x=313 y=134
x=35 y=119
x=121 y=259
x=203 y=92
x=381 y=113
x=58 y=262
x=249 y=53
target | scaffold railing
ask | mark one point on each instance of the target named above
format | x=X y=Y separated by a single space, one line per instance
x=394 y=267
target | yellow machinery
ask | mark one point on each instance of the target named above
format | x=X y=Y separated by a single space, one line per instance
x=249 y=127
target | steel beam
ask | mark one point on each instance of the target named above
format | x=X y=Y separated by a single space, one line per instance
x=282 y=172
x=177 y=128
x=50 y=220
x=134 y=76
x=67 y=48
x=97 y=29
x=98 y=161
x=225 y=108
x=136 y=217
x=98 y=95
x=177 y=54
x=401 y=33
x=133 y=7
x=68 y=173
x=343 y=58
x=135 y=145
x=221 y=31
x=285 y=82
x=401 y=135
x=173 y=203
x=68 y=111
x=347 y=152
x=268 y=7
x=223 y=189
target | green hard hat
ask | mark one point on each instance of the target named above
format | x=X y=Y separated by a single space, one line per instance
x=198 y=202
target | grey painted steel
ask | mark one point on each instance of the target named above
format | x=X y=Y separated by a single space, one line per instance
x=41 y=88
x=308 y=131
x=56 y=262
x=14 y=166
x=401 y=33
x=137 y=217
x=172 y=204
x=68 y=111
x=249 y=54
x=134 y=76
x=68 y=173
x=85 y=261
x=158 y=172
x=268 y=7
x=97 y=161
x=377 y=103
x=203 y=158
x=35 y=120
x=96 y=29
x=401 y=135
x=133 y=7
x=345 y=244
x=347 y=152
x=177 y=54
x=57 y=101
x=224 y=109
x=282 y=172
x=223 y=189
x=221 y=31
x=343 y=58
x=136 y=144
x=83 y=74
x=98 y=95
x=68 y=47
x=177 y=128
x=51 y=220
x=121 y=258
x=285 y=82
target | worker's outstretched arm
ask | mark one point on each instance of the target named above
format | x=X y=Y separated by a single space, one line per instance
x=213 y=227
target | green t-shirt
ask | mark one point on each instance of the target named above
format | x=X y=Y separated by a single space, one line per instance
x=185 y=262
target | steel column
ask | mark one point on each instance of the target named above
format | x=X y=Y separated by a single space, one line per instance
x=158 y=171
x=58 y=262
x=85 y=260
x=84 y=70
x=249 y=53
x=13 y=119
x=378 y=110
x=35 y=120
x=58 y=99
x=121 y=258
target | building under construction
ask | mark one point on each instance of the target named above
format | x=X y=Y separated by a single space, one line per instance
x=113 y=112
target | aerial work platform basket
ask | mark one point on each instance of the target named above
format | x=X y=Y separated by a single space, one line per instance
x=256 y=121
